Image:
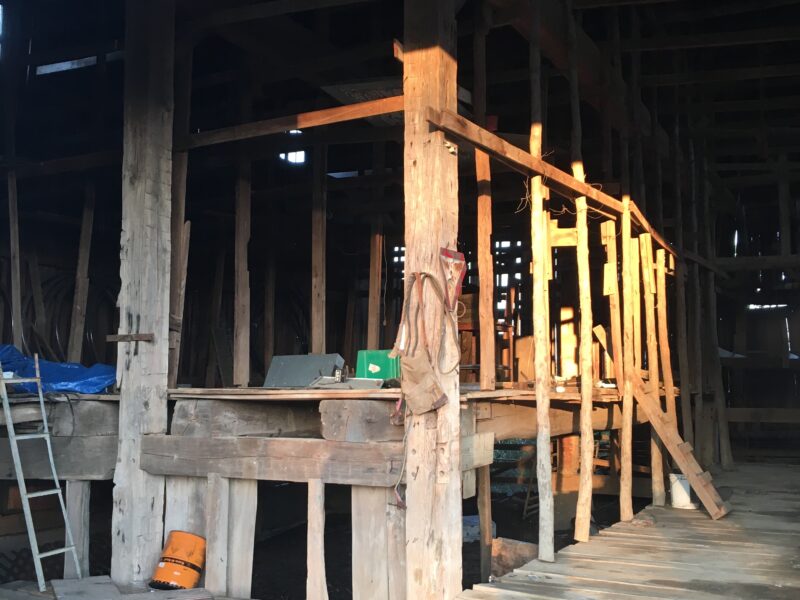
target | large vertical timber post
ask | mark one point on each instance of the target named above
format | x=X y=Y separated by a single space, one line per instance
x=137 y=525
x=433 y=493
x=681 y=324
x=541 y=252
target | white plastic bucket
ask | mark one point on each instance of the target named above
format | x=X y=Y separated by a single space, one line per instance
x=680 y=491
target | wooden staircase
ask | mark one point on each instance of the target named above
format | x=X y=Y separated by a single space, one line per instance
x=680 y=451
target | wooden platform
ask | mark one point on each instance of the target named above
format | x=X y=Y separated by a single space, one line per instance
x=95 y=588
x=753 y=553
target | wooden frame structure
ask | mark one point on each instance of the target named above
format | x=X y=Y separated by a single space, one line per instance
x=200 y=471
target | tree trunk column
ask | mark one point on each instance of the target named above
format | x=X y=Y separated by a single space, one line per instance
x=433 y=495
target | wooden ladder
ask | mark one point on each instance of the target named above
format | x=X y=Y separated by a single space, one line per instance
x=680 y=451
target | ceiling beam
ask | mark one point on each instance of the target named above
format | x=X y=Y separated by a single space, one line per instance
x=713 y=39
x=721 y=75
x=263 y=10
x=597 y=80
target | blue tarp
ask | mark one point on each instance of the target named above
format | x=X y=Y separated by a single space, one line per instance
x=57 y=377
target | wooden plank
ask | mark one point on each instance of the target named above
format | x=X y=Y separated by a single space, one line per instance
x=304 y=121
x=430 y=185
x=217 y=523
x=316 y=583
x=90 y=588
x=137 y=523
x=70 y=457
x=319 y=218
x=78 y=318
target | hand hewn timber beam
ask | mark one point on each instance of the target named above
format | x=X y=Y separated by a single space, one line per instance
x=596 y=77
x=713 y=40
x=316 y=118
x=377 y=464
x=758 y=263
x=721 y=75
x=585 y=4
x=264 y=10
x=521 y=161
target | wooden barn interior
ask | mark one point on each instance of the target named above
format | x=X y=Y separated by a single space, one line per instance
x=575 y=223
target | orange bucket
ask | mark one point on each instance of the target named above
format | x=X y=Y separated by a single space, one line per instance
x=181 y=562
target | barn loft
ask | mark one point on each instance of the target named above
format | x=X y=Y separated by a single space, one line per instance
x=574 y=224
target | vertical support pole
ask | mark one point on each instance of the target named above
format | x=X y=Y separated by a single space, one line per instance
x=316 y=584
x=137 y=521
x=657 y=209
x=77 y=499
x=241 y=292
x=649 y=290
x=608 y=233
x=725 y=451
x=430 y=174
x=217 y=522
x=78 y=318
x=375 y=277
x=370 y=543
x=376 y=248
x=663 y=334
x=10 y=101
x=78 y=493
x=681 y=323
x=485 y=517
x=483 y=174
x=179 y=230
x=214 y=361
x=269 y=310
x=626 y=434
x=583 y=511
x=540 y=249
x=635 y=91
x=243 y=506
x=784 y=206
x=319 y=210
x=695 y=312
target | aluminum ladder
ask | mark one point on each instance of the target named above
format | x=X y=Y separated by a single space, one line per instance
x=14 y=439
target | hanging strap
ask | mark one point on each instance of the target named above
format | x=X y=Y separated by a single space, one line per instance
x=416 y=326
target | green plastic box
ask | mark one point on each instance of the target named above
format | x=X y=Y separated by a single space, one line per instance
x=376 y=364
